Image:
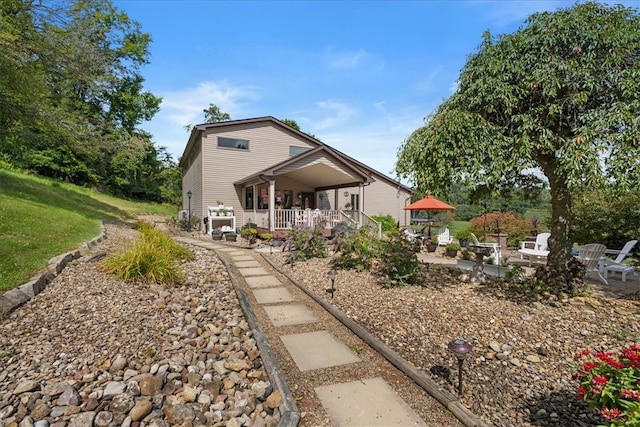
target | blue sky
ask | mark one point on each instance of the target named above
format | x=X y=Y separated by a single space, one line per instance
x=359 y=75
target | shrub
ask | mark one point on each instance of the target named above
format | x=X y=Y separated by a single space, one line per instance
x=609 y=384
x=452 y=247
x=357 y=250
x=515 y=228
x=193 y=219
x=305 y=243
x=399 y=264
x=387 y=223
x=266 y=236
x=249 y=233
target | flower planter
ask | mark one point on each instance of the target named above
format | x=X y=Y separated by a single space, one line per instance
x=216 y=236
x=432 y=247
x=231 y=237
x=451 y=253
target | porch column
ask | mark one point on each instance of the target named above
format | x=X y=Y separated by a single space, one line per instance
x=272 y=203
x=361 y=197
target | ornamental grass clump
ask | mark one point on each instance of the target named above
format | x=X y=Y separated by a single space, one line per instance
x=153 y=259
x=610 y=384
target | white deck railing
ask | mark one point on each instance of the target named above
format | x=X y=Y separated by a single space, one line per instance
x=285 y=219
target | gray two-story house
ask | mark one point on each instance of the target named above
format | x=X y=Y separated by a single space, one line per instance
x=265 y=172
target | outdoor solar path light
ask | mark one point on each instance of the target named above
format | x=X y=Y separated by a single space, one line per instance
x=189 y=194
x=332 y=276
x=460 y=349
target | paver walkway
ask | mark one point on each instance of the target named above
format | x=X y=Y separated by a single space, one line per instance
x=301 y=325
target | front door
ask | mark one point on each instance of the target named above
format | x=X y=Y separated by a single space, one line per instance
x=308 y=201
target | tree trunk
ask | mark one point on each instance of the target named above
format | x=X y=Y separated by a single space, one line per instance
x=559 y=243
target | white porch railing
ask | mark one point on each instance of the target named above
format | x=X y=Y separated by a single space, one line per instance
x=285 y=219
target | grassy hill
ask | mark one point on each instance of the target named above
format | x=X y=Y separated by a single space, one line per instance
x=41 y=218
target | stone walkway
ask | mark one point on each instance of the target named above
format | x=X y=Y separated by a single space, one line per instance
x=311 y=345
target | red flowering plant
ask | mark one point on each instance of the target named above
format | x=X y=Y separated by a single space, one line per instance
x=610 y=384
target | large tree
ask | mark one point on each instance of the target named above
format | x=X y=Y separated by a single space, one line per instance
x=560 y=95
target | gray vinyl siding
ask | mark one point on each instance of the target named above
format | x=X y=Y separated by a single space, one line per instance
x=379 y=198
x=223 y=166
x=191 y=182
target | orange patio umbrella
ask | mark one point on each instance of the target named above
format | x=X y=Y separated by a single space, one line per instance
x=429 y=203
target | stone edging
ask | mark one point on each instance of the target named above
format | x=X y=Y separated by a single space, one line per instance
x=288 y=408
x=14 y=298
x=447 y=399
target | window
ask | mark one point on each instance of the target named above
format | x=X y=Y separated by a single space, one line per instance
x=240 y=144
x=294 y=151
x=248 y=198
x=355 y=201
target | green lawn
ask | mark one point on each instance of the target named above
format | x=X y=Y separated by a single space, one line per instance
x=42 y=218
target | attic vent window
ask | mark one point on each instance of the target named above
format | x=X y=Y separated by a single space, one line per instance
x=239 y=144
x=294 y=150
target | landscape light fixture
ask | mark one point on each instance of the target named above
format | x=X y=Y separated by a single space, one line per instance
x=189 y=194
x=460 y=349
x=332 y=276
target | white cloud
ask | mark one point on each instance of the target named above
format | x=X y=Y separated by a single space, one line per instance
x=185 y=106
x=338 y=113
x=345 y=60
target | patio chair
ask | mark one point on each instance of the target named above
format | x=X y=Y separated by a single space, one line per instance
x=609 y=265
x=444 y=237
x=591 y=256
x=411 y=236
x=495 y=248
x=539 y=250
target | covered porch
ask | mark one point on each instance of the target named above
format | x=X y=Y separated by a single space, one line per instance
x=319 y=187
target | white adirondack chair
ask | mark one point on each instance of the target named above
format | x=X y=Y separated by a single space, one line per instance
x=495 y=248
x=610 y=266
x=539 y=250
x=444 y=237
x=591 y=256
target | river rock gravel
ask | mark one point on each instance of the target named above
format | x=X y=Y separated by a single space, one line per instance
x=93 y=350
x=519 y=372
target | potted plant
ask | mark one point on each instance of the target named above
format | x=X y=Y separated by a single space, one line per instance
x=230 y=236
x=451 y=250
x=216 y=234
x=220 y=204
x=348 y=205
x=249 y=234
x=432 y=244
x=464 y=237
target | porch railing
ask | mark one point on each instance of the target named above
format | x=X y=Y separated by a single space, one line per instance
x=285 y=219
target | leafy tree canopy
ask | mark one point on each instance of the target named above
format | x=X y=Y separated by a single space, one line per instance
x=214 y=115
x=562 y=94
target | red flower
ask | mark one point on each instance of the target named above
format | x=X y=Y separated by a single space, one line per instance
x=599 y=379
x=610 y=413
x=582 y=391
x=587 y=366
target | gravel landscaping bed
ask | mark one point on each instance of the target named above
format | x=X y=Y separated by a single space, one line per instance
x=520 y=370
x=93 y=350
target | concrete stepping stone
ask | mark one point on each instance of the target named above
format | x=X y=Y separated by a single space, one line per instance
x=291 y=314
x=262 y=281
x=370 y=402
x=273 y=295
x=246 y=264
x=253 y=271
x=317 y=350
x=242 y=257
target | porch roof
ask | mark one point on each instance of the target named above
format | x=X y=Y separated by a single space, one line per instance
x=333 y=171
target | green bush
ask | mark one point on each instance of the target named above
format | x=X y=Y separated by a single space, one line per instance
x=608 y=217
x=357 y=250
x=387 y=223
x=305 y=243
x=399 y=264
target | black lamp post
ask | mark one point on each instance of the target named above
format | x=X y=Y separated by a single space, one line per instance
x=332 y=276
x=460 y=349
x=189 y=194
